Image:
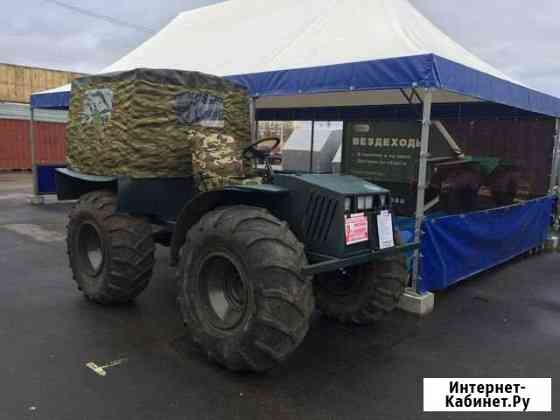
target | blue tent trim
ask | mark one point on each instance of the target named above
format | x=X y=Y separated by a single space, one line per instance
x=428 y=70
x=394 y=73
x=460 y=79
x=55 y=100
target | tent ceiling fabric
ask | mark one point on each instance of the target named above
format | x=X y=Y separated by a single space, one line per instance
x=362 y=98
x=291 y=49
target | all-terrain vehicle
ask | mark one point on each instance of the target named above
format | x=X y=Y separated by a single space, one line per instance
x=252 y=260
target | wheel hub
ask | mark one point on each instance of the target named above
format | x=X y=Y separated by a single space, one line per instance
x=223 y=291
x=90 y=249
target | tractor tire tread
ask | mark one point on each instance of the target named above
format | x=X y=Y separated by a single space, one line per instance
x=131 y=254
x=282 y=310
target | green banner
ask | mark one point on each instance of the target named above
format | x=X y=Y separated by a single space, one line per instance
x=383 y=150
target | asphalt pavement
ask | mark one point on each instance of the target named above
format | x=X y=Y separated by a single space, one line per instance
x=505 y=323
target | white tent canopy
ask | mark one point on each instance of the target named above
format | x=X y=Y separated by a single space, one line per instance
x=242 y=37
x=282 y=44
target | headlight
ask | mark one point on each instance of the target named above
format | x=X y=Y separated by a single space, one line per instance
x=361 y=203
x=365 y=202
x=382 y=200
x=348 y=204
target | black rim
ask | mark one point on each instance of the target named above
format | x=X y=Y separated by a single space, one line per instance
x=90 y=249
x=223 y=291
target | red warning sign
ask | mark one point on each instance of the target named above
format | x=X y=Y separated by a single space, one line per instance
x=356 y=227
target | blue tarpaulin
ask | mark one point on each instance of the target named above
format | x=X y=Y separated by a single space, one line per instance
x=457 y=247
x=428 y=70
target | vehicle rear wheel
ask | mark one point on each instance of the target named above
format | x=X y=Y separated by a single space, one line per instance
x=111 y=255
x=362 y=295
x=242 y=292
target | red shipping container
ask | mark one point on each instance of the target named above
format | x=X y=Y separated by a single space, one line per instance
x=15 y=146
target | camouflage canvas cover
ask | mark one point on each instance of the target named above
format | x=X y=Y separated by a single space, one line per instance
x=148 y=123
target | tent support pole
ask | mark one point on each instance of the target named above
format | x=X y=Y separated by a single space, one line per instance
x=253 y=120
x=422 y=176
x=312 y=146
x=555 y=157
x=36 y=198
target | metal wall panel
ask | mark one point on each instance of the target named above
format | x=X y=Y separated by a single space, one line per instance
x=51 y=143
x=13 y=111
x=15 y=152
x=18 y=82
x=15 y=148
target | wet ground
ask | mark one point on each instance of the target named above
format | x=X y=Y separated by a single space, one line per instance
x=505 y=323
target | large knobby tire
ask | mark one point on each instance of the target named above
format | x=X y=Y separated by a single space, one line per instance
x=242 y=292
x=111 y=255
x=363 y=294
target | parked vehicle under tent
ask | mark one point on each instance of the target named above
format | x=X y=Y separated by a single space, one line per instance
x=386 y=63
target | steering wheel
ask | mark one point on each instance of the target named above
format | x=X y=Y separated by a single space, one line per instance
x=252 y=151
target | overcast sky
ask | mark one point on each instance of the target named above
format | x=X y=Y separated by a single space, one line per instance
x=520 y=37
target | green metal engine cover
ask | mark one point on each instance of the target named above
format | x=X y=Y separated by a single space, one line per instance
x=315 y=211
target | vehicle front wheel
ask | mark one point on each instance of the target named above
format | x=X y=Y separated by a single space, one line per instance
x=242 y=292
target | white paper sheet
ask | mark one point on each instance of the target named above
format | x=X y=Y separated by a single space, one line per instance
x=385 y=230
